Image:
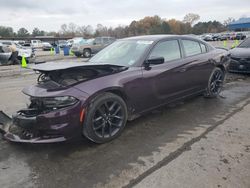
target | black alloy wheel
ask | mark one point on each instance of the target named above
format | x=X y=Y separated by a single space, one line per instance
x=215 y=83
x=106 y=118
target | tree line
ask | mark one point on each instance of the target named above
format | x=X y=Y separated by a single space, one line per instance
x=146 y=26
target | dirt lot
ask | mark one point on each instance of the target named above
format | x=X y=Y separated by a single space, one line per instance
x=196 y=143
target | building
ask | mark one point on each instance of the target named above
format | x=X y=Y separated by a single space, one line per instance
x=243 y=24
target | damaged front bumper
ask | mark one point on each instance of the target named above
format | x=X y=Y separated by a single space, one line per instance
x=27 y=126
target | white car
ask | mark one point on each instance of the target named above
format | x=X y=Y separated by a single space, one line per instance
x=46 y=46
x=26 y=52
x=36 y=43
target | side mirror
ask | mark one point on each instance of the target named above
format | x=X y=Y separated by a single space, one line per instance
x=153 y=61
x=94 y=43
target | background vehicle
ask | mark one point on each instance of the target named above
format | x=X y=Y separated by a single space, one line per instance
x=125 y=80
x=240 y=58
x=20 y=42
x=215 y=37
x=91 y=46
x=75 y=41
x=232 y=36
x=27 y=52
x=207 y=37
x=36 y=44
x=5 y=54
x=46 y=46
x=224 y=36
x=240 y=36
x=62 y=43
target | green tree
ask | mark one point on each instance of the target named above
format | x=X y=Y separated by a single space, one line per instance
x=37 y=32
x=208 y=27
x=22 y=32
x=165 y=28
x=6 y=31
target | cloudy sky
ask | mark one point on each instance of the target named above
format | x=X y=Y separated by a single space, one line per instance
x=49 y=15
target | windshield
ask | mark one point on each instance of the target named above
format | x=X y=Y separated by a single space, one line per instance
x=124 y=53
x=90 y=41
x=18 y=45
x=245 y=43
x=79 y=42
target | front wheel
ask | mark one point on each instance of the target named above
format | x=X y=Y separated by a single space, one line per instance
x=105 y=119
x=215 y=83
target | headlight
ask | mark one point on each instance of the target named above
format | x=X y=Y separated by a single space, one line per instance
x=59 y=102
x=52 y=103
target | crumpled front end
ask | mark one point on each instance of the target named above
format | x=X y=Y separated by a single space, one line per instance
x=54 y=116
x=46 y=125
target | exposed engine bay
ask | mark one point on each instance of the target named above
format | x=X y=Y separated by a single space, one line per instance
x=71 y=76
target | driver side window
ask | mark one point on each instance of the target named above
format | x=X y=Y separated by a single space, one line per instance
x=170 y=50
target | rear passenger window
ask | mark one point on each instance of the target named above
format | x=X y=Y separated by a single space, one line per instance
x=191 y=47
x=203 y=48
x=170 y=50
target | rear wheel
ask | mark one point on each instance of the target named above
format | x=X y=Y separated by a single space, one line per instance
x=86 y=53
x=105 y=119
x=215 y=83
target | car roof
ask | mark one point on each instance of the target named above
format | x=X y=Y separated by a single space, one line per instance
x=156 y=38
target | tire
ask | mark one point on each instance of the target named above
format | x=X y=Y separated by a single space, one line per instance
x=105 y=118
x=87 y=53
x=215 y=83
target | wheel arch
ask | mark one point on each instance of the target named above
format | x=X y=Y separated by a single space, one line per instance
x=116 y=91
x=87 y=48
x=222 y=68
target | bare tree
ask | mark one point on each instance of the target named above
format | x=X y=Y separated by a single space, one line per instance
x=191 y=18
x=101 y=30
x=228 y=21
x=86 y=31
x=72 y=29
x=64 y=29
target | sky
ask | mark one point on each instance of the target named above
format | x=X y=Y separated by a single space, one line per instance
x=49 y=15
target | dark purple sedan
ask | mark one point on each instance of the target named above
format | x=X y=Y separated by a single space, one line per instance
x=240 y=58
x=123 y=81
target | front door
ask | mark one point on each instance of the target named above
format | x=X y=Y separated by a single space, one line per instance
x=167 y=81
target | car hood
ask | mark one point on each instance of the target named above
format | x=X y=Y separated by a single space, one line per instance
x=62 y=78
x=53 y=66
x=240 y=52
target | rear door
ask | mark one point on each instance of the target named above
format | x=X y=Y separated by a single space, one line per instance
x=196 y=64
